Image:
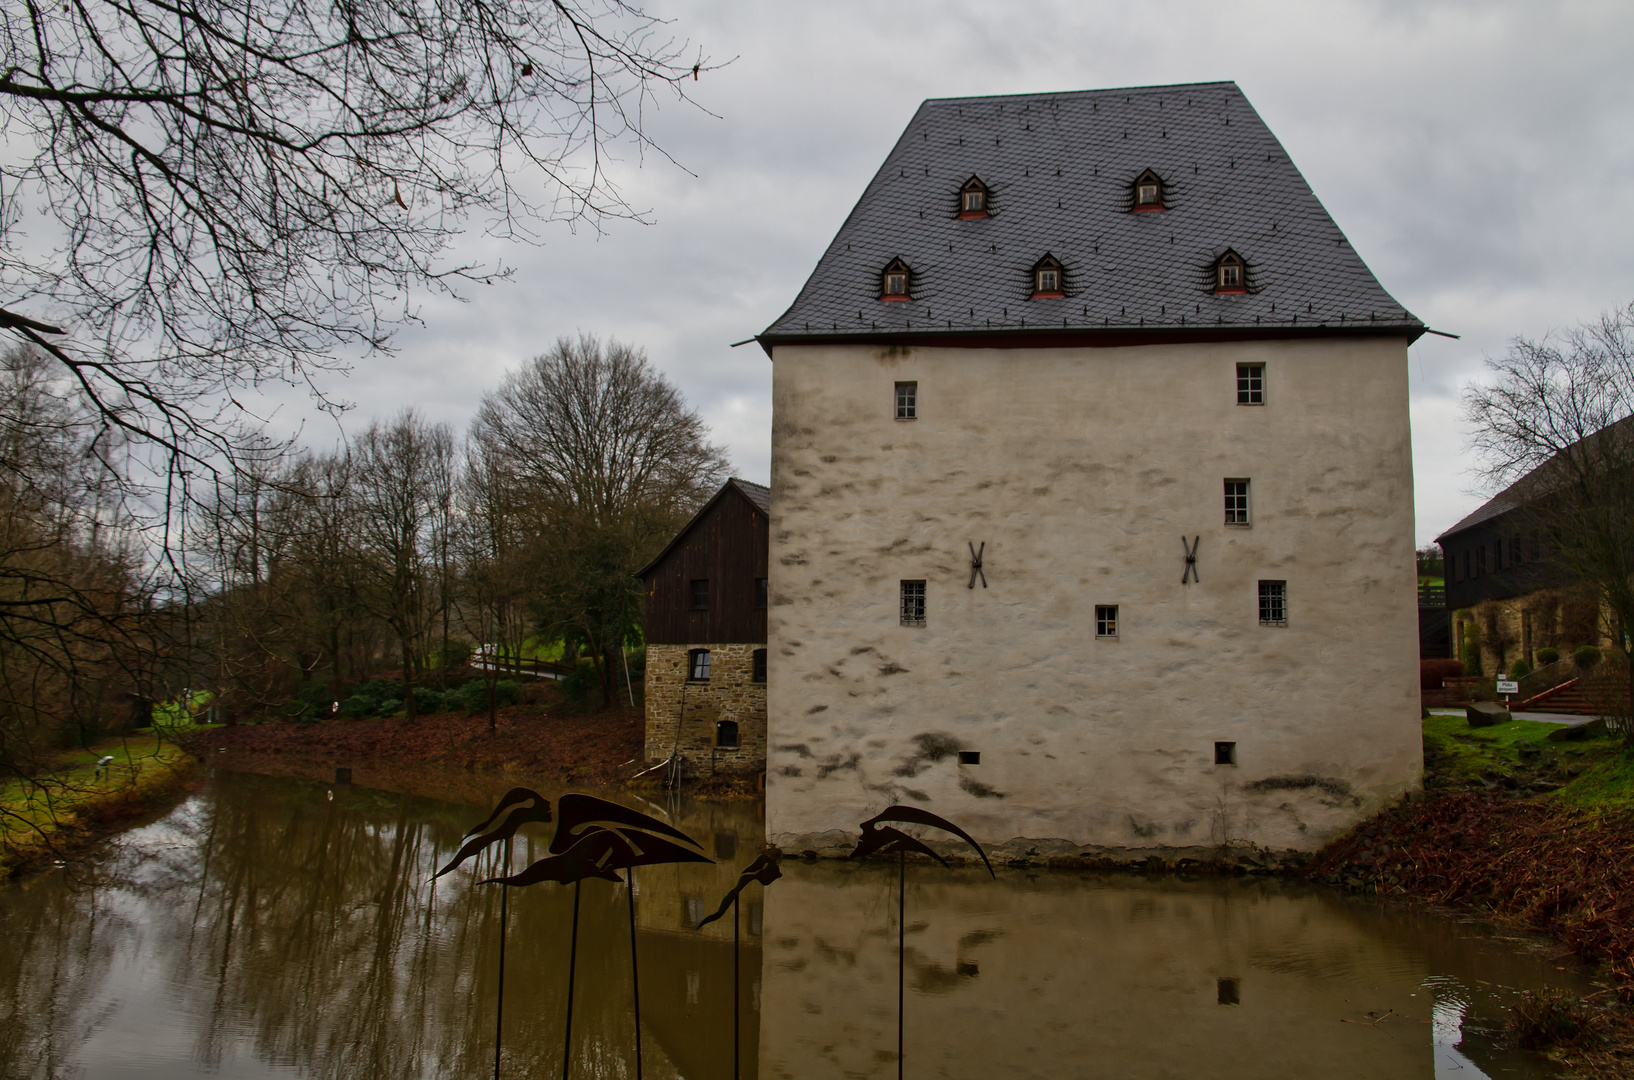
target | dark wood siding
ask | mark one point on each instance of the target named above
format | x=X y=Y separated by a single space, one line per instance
x=726 y=545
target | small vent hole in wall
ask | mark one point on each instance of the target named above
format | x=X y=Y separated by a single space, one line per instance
x=970 y=757
x=1225 y=753
x=1227 y=992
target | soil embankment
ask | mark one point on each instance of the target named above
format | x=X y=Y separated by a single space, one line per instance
x=592 y=748
x=1528 y=832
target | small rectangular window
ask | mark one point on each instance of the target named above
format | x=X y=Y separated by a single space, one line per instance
x=698 y=665
x=970 y=757
x=907 y=401
x=1236 y=502
x=1106 y=620
x=1273 y=603
x=1250 y=384
x=913 y=603
x=1480 y=560
x=758 y=670
x=699 y=589
x=760 y=593
x=726 y=734
x=1225 y=753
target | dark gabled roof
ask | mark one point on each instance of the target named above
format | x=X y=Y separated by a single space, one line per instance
x=1060 y=169
x=1552 y=474
x=758 y=495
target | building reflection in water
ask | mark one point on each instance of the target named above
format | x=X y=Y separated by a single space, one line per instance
x=263 y=929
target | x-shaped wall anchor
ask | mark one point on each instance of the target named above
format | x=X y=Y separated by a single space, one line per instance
x=976 y=563
x=1191 y=558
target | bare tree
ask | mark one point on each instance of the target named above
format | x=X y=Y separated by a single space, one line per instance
x=493 y=547
x=1555 y=421
x=614 y=461
x=219 y=194
x=401 y=472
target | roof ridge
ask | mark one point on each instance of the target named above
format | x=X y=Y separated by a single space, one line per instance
x=1232 y=83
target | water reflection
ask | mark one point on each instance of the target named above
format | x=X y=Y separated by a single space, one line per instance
x=267 y=929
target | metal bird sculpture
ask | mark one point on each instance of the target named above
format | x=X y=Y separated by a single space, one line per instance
x=519 y=806
x=579 y=814
x=516 y=808
x=878 y=838
x=764 y=870
x=596 y=839
x=601 y=854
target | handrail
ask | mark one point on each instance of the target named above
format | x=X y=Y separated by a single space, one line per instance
x=1546 y=677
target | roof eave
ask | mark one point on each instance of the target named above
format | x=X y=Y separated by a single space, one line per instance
x=1092 y=338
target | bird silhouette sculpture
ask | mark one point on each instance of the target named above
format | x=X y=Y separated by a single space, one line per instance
x=519 y=806
x=880 y=839
x=596 y=839
x=764 y=870
x=601 y=854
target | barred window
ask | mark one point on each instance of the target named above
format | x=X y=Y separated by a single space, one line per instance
x=1273 y=603
x=1250 y=384
x=1106 y=620
x=913 y=603
x=907 y=401
x=1236 y=502
x=698 y=665
x=758 y=672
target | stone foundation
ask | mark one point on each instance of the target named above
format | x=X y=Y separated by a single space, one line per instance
x=697 y=707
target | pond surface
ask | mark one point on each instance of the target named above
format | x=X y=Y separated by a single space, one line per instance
x=271 y=927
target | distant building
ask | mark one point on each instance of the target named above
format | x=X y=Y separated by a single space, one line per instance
x=1092 y=513
x=1506 y=596
x=705 y=628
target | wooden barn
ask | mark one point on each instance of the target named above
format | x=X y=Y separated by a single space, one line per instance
x=705 y=628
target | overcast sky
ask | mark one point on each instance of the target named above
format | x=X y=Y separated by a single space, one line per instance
x=1480 y=157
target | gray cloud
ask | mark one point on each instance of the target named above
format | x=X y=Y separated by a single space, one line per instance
x=1478 y=155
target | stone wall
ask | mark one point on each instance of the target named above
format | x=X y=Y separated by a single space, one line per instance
x=730 y=694
x=1517 y=627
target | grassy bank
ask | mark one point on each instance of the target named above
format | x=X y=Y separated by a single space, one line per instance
x=1530 y=832
x=46 y=816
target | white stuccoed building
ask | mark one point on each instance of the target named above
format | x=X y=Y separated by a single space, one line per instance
x=1111 y=345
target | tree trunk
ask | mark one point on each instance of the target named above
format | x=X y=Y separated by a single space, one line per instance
x=408 y=680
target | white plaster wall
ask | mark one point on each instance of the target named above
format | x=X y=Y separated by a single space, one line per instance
x=1081 y=469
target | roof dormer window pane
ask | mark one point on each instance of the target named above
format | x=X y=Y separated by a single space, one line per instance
x=1148 y=190
x=1230 y=274
x=1047 y=278
x=973 y=199
x=1048 y=281
x=895 y=281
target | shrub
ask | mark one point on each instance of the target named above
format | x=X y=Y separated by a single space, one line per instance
x=379 y=698
x=1585 y=657
x=1472 y=656
x=1520 y=669
x=1432 y=672
x=427 y=700
x=580 y=684
x=472 y=696
x=310 y=704
x=1549 y=1017
x=1547 y=655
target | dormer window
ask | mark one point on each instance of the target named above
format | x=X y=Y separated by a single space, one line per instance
x=1149 y=192
x=896 y=280
x=973 y=199
x=1230 y=274
x=1047 y=279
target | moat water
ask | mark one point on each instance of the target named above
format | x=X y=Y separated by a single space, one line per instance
x=272 y=927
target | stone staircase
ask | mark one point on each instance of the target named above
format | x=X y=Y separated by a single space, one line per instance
x=1576 y=697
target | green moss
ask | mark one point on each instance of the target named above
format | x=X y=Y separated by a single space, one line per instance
x=1461 y=752
x=1608 y=782
x=37 y=812
x=1455 y=753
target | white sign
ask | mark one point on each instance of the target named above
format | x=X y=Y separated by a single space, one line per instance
x=1509 y=686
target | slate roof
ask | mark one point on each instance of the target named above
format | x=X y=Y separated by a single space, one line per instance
x=759 y=495
x=1060 y=169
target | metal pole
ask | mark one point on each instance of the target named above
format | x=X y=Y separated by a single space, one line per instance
x=737 y=1007
x=635 y=975
x=901 y=945
x=572 y=963
x=499 y=1009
